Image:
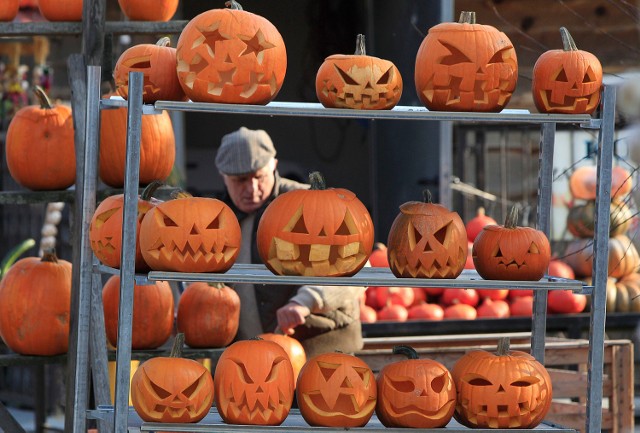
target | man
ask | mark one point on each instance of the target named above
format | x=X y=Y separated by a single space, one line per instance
x=323 y=318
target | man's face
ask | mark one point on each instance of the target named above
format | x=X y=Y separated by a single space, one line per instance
x=249 y=191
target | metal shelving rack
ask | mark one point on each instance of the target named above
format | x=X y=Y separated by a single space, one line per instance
x=120 y=413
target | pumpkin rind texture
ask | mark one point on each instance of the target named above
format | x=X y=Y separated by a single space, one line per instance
x=149 y=10
x=465 y=67
x=293 y=347
x=9 y=10
x=231 y=56
x=60 y=10
x=584 y=181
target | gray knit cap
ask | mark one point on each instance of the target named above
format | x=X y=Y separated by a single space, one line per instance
x=244 y=151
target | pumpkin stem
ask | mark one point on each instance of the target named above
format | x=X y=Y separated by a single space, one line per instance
x=511 y=222
x=481 y=212
x=317 y=181
x=149 y=190
x=180 y=193
x=467 y=17
x=503 y=346
x=217 y=285
x=568 y=44
x=407 y=351
x=164 y=42
x=43 y=99
x=426 y=196
x=178 y=343
x=11 y=257
x=360 y=46
x=232 y=4
x=49 y=255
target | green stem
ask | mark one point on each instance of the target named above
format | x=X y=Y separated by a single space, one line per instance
x=568 y=44
x=360 y=46
x=232 y=4
x=43 y=99
x=503 y=346
x=178 y=343
x=149 y=190
x=467 y=17
x=511 y=222
x=164 y=42
x=426 y=196
x=49 y=255
x=11 y=257
x=317 y=181
x=407 y=351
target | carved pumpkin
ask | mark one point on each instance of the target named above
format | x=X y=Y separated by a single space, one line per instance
x=427 y=240
x=358 y=81
x=294 y=349
x=40 y=146
x=583 y=182
x=231 y=56
x=567 y=81
x=171 y=389
x=336 y=390
x=254 y=383
x=415 y=393
x=190 y=234
x=581 y=219
x=157 y=147
x=510 y=252
x=9 y=10
x=61 y=10
x=35 y=305
x=158 y=64
x=149 y=10
x=465 y=66
x=316 y=232
x=208 y=314
x=152 y=319
x=509 y=389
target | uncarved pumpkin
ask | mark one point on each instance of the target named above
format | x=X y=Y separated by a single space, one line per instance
x=293 y=347
x=61 y=10
x=9 y=10
x=583 y=182
x=149 y=10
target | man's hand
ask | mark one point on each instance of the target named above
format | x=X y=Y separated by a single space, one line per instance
x=290 y=316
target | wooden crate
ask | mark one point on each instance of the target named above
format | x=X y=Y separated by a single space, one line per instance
x=565 y=359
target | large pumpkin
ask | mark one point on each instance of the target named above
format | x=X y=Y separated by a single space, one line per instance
x=509 y=389
x=316 y=232
x=583 y=182
x=293 y=347
x=415 y=393
x=190 y=234
x=427 y=240
x=35 y=305
x=581 y=219
x=465 y=66
x=152 y=319
x=9 y=10
x=254 y=383
x=149 y=10
x=172 y=389
x=624 y=258
x=567 y=81
x=40 y=147
x=358 y=81
x=61 y=10
x=231 y=56
x=157 y=62
x=208 y=314
x=336 y=390
x=510 y=252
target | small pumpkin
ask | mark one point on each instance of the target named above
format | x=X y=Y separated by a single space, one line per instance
x=315 y=232
x=172 y=389
x=40 y=146
x=61 y=10
x=253 y=383
x=293 y=347
x=465 y=66
x=584 y=181
x=358 y=81
x=231 y=56
x=475 y=225
x=511 y=252
x=415 y=393
x=427 y=240
x=581 y=219
x=9 y=10
x=149 y=10
x=336 y=390
x=567 y=81
x=208 y=314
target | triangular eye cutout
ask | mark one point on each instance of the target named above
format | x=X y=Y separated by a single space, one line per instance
x=498 y=57
x=588 y=76
x=299 y=226
x=414 y=236
x=215 y=224
x=168 y=222
x=346 y=383
x=327 y=369
x=194 y=230
x=363 y=373
x=441 y=234
x=498 y=253
x=243 y=374
x=533 y=249
x=343 y=230
x=346 y=77
x=322 y=232
x=386 y=77
x=455 y=57
x=188 y=391
x=562 y=76
x=160 y=392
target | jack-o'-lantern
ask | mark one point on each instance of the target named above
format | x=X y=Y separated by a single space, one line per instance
x=415 y=393
x=253 y=383
x=171 y=389
x=465 y=66
x=511 y=252
x=316 y=232
x=567 y=81
x=293 y=347
x=427 y=240
x=190 y=234
x=231 y=56
x=358 y=81
x=336 y=390
x=158 y=65
x=509 y=389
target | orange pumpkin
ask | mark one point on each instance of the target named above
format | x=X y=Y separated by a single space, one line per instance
x=293 y=347
x=158 y=64
x=152 y=321
x=61 y=10
x=9 y=10
x=475 y=225
x=172 y=389
x=567 y=81
x=624 y=258
x=190 y=234
x=336 y=390
x=427 y=240
x=465 y=66
x=149 y=10
x=157 y=147
x=40 y=146
x=231 y=56
x=316 y=232
x=35 y=305
x=581 y=219
x=415 y=393
x=358 y=81
x=584 y=181
x=208 y=314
